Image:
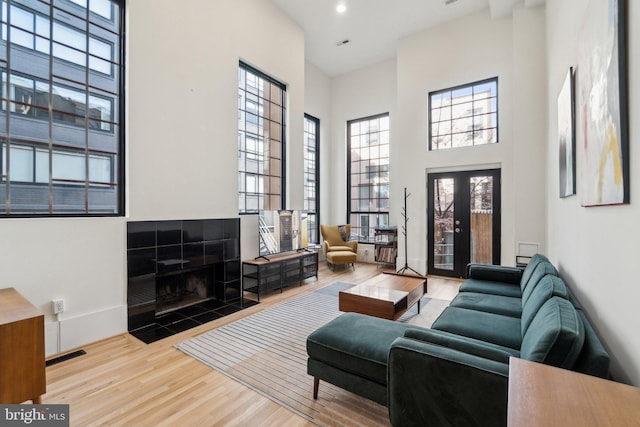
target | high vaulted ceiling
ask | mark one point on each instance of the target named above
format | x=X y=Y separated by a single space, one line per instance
x=373 y=27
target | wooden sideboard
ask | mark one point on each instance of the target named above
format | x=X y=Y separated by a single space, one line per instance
x=542 y=395
x=22 y=364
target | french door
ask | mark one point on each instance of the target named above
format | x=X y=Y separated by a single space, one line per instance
x=464 y=220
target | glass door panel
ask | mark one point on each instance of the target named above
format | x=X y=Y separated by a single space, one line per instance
x=463 y=220
x=443 y=223
x=481 y=219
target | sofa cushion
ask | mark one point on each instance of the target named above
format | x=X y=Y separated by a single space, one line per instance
x=547 y=287
x=532 y=264
x=555 y=336
x=498 y=304
x=531 y=279
x=364 y=353
x=494 y=288
x=489 y=327
x=465 y=344
x=494 y=273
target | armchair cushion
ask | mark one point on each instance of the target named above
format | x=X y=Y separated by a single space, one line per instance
x=344 y=232
x=339 y=248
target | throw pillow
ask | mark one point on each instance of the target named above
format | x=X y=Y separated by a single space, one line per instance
x=343 y=232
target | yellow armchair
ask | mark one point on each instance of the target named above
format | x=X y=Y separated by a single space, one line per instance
x=334 y=241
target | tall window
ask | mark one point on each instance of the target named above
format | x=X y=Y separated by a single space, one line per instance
x=368 y=175
x=261 y=149
x=312 y=176
x=61 y=136
x=464 y=115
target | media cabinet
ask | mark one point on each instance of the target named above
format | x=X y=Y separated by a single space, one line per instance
x=278 y=271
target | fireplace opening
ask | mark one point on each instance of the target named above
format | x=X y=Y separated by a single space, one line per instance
x=183 y=288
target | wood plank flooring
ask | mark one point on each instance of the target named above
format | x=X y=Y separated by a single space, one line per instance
x=123 y=382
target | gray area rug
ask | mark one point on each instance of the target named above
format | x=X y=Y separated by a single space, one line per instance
x=267 y=352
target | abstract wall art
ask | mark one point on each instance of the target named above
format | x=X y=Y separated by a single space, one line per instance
x=566 y=136
x=602 y=105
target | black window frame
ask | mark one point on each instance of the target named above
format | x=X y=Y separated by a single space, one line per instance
x=473 y=115
x=380 y=212
x=118 y=71
x=283 y=144
x=316 y=211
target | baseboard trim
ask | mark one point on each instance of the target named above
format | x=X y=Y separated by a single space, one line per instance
x=88 y=328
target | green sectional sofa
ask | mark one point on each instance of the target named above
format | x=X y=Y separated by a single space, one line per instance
x=456 y=373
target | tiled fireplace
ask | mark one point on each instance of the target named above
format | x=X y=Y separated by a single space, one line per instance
x=181 y=274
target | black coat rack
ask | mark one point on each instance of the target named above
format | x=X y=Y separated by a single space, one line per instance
x=404 y=233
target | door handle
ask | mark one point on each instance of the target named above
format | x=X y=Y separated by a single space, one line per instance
x=457 y=229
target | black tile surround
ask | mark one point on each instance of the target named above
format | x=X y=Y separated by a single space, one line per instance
x=165 y=255
x=188 y=317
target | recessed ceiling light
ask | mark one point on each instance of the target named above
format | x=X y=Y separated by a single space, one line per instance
x=341 y=8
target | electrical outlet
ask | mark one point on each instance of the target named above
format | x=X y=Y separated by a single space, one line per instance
x=57 y=306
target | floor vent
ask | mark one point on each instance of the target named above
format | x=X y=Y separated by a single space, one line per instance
x=65 y=357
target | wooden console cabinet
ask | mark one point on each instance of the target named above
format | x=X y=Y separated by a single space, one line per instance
x=542 y=395
x=262 y=275
x=22 y=364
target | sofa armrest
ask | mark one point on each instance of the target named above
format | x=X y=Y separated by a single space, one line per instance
x=466 y=345
x=353 y=244
x=433 y=385
x=494 y=273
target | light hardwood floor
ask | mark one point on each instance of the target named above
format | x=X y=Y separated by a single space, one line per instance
x=122 y=381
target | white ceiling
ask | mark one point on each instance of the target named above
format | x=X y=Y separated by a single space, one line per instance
x=373 y=27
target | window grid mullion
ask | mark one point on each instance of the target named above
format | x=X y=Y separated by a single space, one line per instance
x=77 y=150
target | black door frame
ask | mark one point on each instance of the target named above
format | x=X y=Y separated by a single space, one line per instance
x=461 y=205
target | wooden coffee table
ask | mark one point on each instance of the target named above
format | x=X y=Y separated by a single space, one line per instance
x=387 y=295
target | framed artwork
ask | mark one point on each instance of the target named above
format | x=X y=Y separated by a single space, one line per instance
x=602 y=104
x=566 y=136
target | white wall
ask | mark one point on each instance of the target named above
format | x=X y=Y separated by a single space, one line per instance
x=317 y=102
x=182 y=90
x=79 y=260
x=463 y=51
x=181 y=152
x=355 y=95
x=596 y=248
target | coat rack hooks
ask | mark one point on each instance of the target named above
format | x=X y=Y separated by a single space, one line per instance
x=404 y=233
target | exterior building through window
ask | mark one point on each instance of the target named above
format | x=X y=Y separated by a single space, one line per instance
x=61 y=136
